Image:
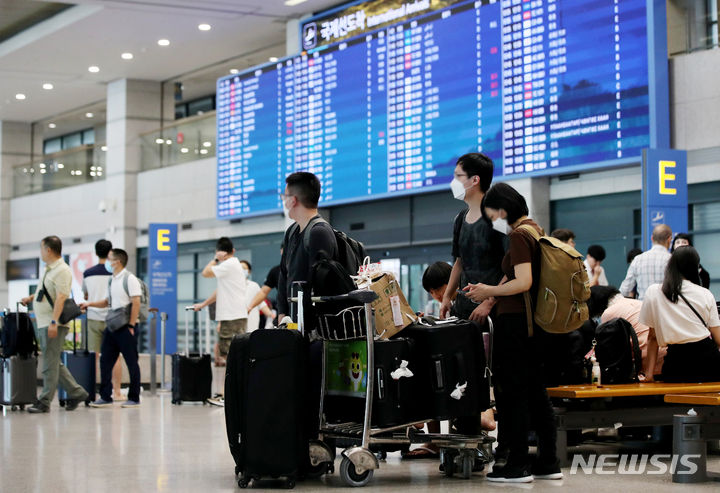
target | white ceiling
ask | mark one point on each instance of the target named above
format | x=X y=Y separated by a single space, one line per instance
x=96 y=32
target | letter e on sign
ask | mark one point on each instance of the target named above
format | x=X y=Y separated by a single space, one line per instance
x=163 y=238
x=666 y=177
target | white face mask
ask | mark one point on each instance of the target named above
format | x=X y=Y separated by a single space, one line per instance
x=458 y=189
x=247 y=272
x=286 y=211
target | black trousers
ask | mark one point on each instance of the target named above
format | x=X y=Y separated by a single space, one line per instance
x=692 y=362
x=522 y=401
x=114 y=343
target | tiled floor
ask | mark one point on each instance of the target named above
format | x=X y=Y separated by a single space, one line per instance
x=161 y=447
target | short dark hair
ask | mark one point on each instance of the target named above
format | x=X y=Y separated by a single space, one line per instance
x=53 y=243
x=684 y=264
x=436 y=276
x=563 y=234
x=477 y=164
x=632 y=254
x=249 y=265
x=224 y=244
x=306 y=187
x=503 y=196
x=680 y=236
x=120 y=255
x=600 y=296
x=102 y=248
x=597 y=252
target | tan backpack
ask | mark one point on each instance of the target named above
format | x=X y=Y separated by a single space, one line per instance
x=563 y=287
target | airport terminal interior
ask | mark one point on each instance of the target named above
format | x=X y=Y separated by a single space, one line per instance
x=164 y=125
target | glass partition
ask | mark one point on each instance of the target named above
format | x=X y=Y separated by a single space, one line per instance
x=184 y=141
x=82 y=164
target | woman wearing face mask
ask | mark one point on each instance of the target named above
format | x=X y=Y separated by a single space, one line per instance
x=518 y=367
x=477 y=248
x=683 y=239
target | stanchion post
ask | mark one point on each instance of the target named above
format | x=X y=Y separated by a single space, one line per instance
x=153 y=351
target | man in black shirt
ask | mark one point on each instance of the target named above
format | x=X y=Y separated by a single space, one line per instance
x=300 y=200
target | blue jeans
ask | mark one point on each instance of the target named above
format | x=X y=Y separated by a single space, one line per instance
x=115 y=343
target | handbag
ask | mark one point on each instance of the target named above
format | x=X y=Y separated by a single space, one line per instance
x=70 y=310
x=117 y=318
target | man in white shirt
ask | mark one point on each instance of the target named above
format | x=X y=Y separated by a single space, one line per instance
x=230 y=295
x=649 y=267
x=123 y=296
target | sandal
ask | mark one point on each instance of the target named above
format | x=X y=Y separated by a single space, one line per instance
x=421 y=453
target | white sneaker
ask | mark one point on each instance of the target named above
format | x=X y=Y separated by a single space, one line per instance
x=217 y=401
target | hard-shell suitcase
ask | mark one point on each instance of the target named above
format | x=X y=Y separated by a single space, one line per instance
x=81 y=365
x=266 y=388
x=394 y=394
x=192 y=372
x=450 y=369
x=18 y=372
x=18 y=381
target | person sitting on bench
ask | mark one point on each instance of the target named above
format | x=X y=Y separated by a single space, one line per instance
x=682 y=315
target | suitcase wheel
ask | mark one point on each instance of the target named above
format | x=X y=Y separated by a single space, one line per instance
x=243 y=483
x=177 y=401
x=61 y=402
x=290 y=483
x=350 y=477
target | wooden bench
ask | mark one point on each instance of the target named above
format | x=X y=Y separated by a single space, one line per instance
x=626 y=405
x=703 y=399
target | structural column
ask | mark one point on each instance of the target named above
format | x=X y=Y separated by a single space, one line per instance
x=15 y=149
x=537 y=194
x=133 y=108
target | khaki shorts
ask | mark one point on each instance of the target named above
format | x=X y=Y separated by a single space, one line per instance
x=228 y=330
x=95 y=335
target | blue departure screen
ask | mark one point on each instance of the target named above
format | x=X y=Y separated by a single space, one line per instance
x=540 y=86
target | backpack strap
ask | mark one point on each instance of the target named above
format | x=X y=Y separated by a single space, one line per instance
x=306 y=237
x=457 y=225
x=636 y=353
x=109 y=295
x=526 y=295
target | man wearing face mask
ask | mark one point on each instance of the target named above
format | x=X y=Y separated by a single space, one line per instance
x=48 y=304
x=477 y=248
x=300 y=201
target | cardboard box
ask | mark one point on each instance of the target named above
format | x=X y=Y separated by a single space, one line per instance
x=392 y=311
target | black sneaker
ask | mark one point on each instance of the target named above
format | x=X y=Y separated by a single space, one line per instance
x=38 y=408
x=72 y=404
x=551 y=471
x=510 y=474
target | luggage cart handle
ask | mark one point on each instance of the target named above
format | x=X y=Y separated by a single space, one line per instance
x=359 y=295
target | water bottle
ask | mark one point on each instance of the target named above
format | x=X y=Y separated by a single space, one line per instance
x=595 y=381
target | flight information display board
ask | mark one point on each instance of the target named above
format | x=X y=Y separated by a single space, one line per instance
x=540 y=86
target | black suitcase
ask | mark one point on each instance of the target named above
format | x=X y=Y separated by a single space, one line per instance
x=266 y=388
x=450 y=379
x=192 y=372
x=82 y=365
x=393 y=399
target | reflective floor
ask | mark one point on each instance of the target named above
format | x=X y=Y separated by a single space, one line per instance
x=161 y=447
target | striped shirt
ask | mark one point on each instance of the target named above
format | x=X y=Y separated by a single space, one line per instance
x=646 y=269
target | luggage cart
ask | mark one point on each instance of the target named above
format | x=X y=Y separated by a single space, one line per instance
x=358 y=463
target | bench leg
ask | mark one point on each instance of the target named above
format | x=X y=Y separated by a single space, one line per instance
x=561 y=445
x=691 y=448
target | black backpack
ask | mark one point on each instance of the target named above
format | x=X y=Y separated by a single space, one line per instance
x=351 y=253
x=18 y=335
x=618 y=352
